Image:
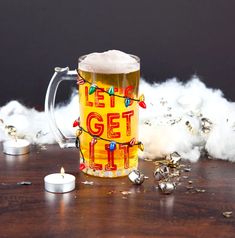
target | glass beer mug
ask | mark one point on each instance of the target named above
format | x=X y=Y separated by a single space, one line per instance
x=108 y=99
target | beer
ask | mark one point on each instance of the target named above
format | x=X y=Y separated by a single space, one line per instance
x=106 y=118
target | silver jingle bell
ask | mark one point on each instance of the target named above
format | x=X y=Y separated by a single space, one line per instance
x=174 y=159
x=161 y=172
x=166 y=187
x=136 y=177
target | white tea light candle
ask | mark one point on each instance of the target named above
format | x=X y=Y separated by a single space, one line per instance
x=16 y=147
x=59 y=182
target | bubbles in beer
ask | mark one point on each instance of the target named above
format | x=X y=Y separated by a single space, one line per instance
x=109 y=62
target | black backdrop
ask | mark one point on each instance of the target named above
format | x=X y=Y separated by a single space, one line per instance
x=172 y=37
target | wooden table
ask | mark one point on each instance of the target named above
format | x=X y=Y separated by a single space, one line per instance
x=101 y=209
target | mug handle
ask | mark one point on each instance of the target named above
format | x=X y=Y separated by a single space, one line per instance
x=60 y=75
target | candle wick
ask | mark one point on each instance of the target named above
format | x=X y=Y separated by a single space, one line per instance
x=62 y=176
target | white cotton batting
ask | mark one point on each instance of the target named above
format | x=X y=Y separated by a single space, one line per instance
x=172 y=121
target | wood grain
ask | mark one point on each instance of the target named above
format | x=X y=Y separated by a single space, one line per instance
x=101 y=210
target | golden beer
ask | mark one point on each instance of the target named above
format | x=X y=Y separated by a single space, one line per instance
x=105 y=119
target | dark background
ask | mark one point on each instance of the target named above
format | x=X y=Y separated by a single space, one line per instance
x=173 y=38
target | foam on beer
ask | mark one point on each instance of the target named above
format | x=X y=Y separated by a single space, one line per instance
x=109 y=62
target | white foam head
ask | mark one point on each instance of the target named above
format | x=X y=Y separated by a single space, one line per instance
x=109 y=62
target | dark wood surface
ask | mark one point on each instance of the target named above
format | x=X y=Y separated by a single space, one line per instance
x=101 y=210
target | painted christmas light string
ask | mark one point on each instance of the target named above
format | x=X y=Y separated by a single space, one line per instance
x=94 y=139
x=127 y=100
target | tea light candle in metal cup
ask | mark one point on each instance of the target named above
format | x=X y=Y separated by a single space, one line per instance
x=59 y=182
x=16 y=147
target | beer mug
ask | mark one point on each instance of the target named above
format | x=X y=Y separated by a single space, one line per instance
x=107 y=133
